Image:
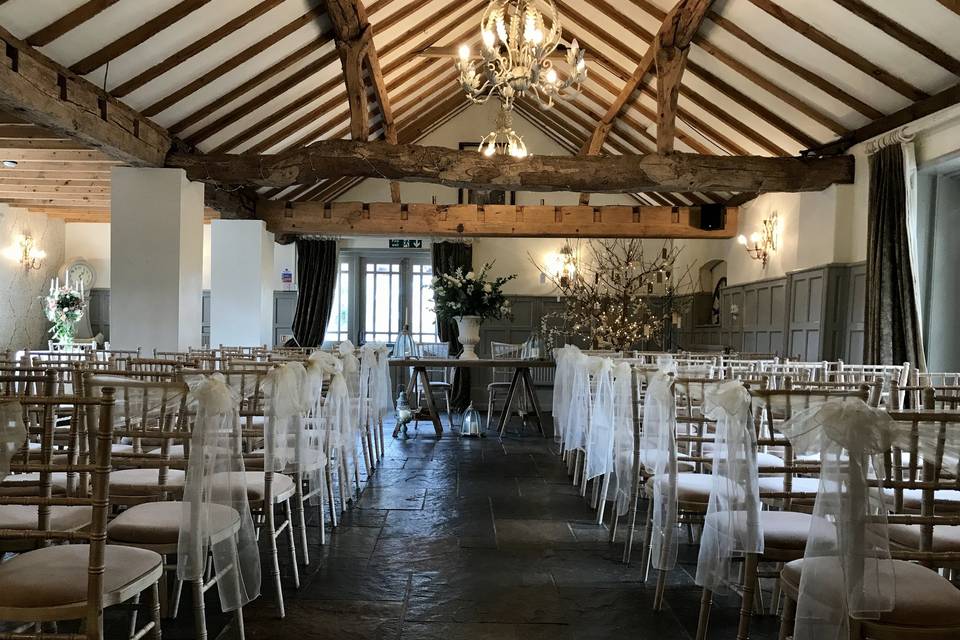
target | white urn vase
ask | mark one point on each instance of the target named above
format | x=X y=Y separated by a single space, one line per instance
x=469 y=328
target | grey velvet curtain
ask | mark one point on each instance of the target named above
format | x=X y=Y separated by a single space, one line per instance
x=447 y=257
x=893 y=322
x=317 y=281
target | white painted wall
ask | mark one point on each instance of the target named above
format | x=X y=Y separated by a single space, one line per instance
x=241 y=284
x=22 y=323
x=156 y=242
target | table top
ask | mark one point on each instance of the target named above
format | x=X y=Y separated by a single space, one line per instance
x=471 y=364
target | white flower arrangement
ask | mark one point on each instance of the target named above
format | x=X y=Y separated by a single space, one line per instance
x=457 y=294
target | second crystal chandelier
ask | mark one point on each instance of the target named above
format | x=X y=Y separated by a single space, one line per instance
x=516 y=46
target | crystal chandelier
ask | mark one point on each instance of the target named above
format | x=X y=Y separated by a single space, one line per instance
x=503 y=140
x=517 y=43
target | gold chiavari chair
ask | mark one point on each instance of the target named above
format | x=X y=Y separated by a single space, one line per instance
x=156 y=525
x=73 y=574
x=267 y=491
x=788 y=491
x=924 y=536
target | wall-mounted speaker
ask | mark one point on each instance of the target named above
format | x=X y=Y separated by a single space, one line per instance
x=712 y=217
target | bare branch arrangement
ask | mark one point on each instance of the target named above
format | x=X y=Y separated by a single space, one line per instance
x=619 y=296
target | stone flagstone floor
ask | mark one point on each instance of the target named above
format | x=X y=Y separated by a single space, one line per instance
x=457 y=539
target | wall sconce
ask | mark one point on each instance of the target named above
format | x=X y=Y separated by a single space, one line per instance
x=761 y=243
x=563 y=266
x=25 y=252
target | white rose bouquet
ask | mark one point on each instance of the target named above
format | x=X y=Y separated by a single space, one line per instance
x=470 y=294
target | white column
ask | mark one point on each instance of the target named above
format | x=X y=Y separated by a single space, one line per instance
x=156 y=259
x=241 y=283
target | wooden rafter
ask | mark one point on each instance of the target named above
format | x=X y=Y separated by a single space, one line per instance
x=354 y=36
x=843 y=52
x=232 y=63
x=953 y=5
x=136 y=37
x=934 y=103
x=42 y=92
x=70 y=21
x=504 y=220
x=194 y=48
x=896 y=30
x=617 y=174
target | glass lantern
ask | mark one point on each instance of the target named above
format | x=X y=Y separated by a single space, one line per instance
x=406 y=346
x=533 y=347
x=471 y=425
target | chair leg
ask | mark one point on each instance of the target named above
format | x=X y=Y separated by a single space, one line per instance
x=491 y=399
x=328 y=480
x=133 y=616
x=292 y=539
x=241 y=631
x=302 y=518
x=274 y=558
x=199 y=612
x=175 y=598
x=703 y=622
x=789 y=613
x=154 y=602
x=746 y=602
x=661 y=587
x=321 y=495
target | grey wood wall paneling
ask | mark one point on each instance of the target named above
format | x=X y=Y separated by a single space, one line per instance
x=807 y=290
x=856 y=305
x=99 y=310
x=284 y=307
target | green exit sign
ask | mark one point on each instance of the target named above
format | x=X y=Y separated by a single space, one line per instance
x=406 y=244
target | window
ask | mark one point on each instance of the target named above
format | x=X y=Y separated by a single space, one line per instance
x=338 y=328
x=380 y=291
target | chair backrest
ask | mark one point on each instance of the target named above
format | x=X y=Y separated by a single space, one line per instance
x=436 y=350
x=772 y=407
x=154 y=364
x=48 y=407
x=504 y=351
x=926 y=467
x=842 y=372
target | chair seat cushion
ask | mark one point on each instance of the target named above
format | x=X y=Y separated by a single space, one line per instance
x=694 y=487
x=25 y=484
x=944 y=499
x=785 y=530
x=159 y=523
x=945 y=537
x=923 y=597
x=57 y=576
x=126 y=482
x=649 y=461
x=281 y=486
x=19 y=516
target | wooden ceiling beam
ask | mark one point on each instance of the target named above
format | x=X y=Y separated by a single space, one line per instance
x=42 y=92
x=908 y=114
x=321 y=91
x=52 y=183
x=953 y=5
x=840 y=50
x=55 y=171
x=799 y=70
x=138 y=36
x=672 y=47
x=236 y=61
x=343 y=218
x=76 y=202
x=617 y=174
x=897 y=31
x=354 y=36
x=706 y=105
x=77 y=156
x=70 y=21
x=194 y=48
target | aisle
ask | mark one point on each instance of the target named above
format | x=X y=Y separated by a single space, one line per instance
x=477 y=539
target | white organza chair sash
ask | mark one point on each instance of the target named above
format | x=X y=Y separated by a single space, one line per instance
x=732 y=527
x=849 y=525
x=658 y=442
x=215 y=476
x=13 y=434
x=599 y=436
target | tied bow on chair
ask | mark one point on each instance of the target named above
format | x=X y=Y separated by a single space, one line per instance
x=215 y=476
x=849 y=527
x=659 y=443
x=732 y=526
x=12 y=434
